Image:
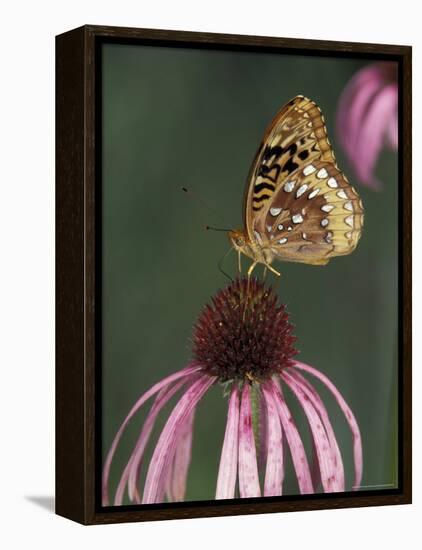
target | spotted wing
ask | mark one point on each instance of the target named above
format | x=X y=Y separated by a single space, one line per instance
x=315 y=215
x=296 y=136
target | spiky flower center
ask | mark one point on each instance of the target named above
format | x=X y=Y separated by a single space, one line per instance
x=244 y=334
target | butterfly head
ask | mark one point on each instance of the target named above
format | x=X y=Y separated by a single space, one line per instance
x=238 y=240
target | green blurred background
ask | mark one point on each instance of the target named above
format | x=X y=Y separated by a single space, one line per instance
x=194 y=118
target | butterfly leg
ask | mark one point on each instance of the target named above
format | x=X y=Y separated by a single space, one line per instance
x=239 y=254
x=251 y=268
x=273 y=270
x=267 y=259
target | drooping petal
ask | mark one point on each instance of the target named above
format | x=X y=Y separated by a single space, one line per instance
x=393 y=130
x=136 y=459
x=227 y=472
x=181 y=461
x=165 y=448
x=248 y=466
x=357 y=440
x=131 y=472
x=373 y=131
x=189 y=370
x=274 y=472
x=317 y=402
x=353 y=105
x=329 y=479
x=167 y=485
x=300 y=462
x=315 y=473
x=366 y=118
x=263 y=434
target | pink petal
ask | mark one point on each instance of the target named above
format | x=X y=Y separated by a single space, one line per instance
x=357 y=441
x=169 y=476
x=372 y=132
x=193 y=367
x=393 y=130
x=315 y=473
x=248 y=467
x=135 y=461
x=274 y=472
x=294 y=441
x=329 y=480
x=181 y=460
x=318 y=404
x=165 y=448
x=263 y=434
x=366 y=118
x=226 y=482
x=353 y=105
x=131 y=471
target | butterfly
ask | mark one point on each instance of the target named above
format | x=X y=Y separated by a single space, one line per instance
x=298 y=205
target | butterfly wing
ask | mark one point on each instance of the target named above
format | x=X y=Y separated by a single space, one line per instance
x=313 y=216
x=296 y=135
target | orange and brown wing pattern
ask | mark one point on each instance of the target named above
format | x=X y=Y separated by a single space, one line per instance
x=313 y=216
x=296 y=136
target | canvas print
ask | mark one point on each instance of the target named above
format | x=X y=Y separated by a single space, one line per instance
x=249 y=275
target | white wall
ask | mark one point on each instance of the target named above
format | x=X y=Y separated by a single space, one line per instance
x=27 y=269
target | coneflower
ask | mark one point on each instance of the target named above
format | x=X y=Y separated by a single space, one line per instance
x=242 y=340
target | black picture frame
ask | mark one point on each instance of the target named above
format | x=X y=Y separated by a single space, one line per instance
x=78 y=276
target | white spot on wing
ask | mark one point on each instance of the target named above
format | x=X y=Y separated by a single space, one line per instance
x=349 y=220
x=258 y=237
x=308 y=170
x=327 y=207
x=301 y=190
x=275 y=211
x=332 y=182
x=341 y=194
x=288 y=187
x=348 y=206
x=322 y=174
x=297 y=218
x=324 y=222
x=283 y=240
x=314 y=193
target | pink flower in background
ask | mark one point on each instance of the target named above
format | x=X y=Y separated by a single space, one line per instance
x=242 y=340
x=367 y=118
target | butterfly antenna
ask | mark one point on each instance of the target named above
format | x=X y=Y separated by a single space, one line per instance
x=204 y=205
x=210 y=228
x=220 y=264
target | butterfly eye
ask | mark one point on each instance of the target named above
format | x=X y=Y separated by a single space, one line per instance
x=240 y=241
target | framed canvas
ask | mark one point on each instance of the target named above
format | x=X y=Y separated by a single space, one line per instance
x=233 y=274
